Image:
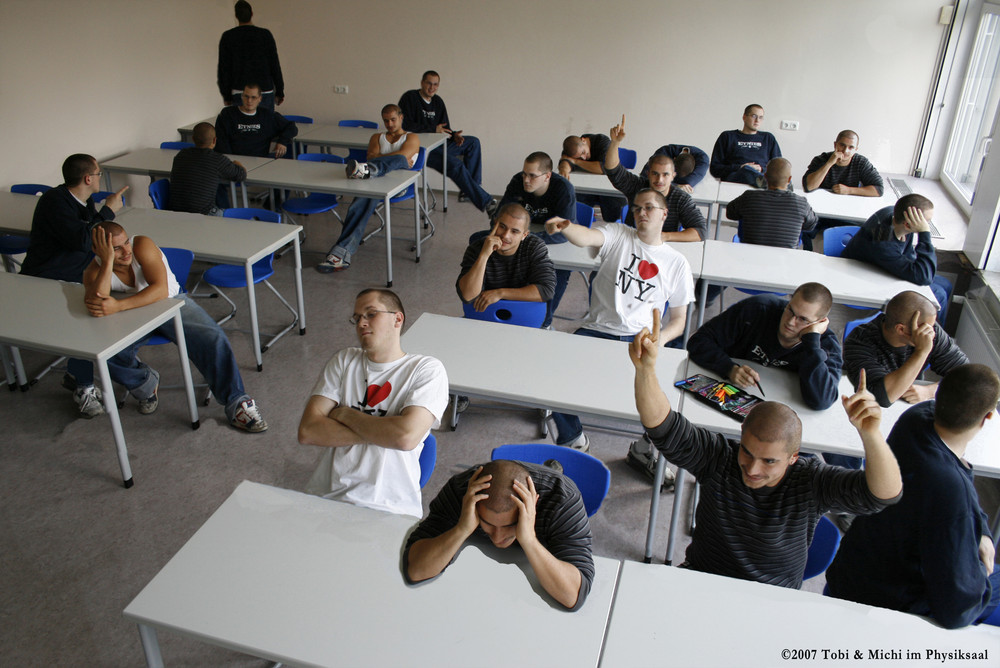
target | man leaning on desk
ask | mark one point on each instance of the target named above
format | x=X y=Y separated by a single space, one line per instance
x=509 y=502
x=760 y=501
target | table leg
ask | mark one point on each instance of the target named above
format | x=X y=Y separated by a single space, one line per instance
x=416 y=224
x=718 y=219
x=186 y=369
x=675 y=515
x=297 y=251
x=689 y=316
x=246 y=197
x=111 y=406
x=444 y=176
x=150 y=646
x=654 y=507
x=388 y=244
x=254 y=325
x=702 y=298
x=19 y=375
x=232 y=192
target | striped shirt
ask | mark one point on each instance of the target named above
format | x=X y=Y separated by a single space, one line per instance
x=529 y=265
x=682 y=214
x=771 y=217
x=756 y=534
x=195 y=176
x=859 y=172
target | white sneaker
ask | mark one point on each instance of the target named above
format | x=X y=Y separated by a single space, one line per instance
x=357 y=170
x=248 y=418
x=582 y=443
x=89 y=400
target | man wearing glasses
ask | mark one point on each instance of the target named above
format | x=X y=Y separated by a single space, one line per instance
x=741 y=155
x=249 y=129
x=371 y=408
x=61 y=248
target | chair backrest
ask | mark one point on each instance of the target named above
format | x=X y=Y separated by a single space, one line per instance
x=29 y=188
x=250 y=213
x=159 y=192
x=826 y=540
x=358 y=124
x=418 y=164
x=180 y=261
x=176 y=144
x=627 y=157
x=851 y=324
x=320 y=157
x=508 y=311
x=428 y=458
x=103 y=195
x=584 y=214
x=835 y=239
x=624 y=212
x=591 y=476
x=298 y=119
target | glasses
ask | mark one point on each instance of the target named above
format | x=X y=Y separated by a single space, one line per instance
x=798 y=319
x=95 y=174
x=648 y=208
x=366 y=316
x=532 y=177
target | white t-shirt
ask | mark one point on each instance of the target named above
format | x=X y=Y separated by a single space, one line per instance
x=370 y=475
x=635 y=278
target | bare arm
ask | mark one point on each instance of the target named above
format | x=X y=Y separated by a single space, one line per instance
x=881 y=469
x=617 y=134
x=592 y=166
x=674 y=328
x=690 y=234
x=578 y=235
x=400 y=432
x=814 y=180
x=97 y=278
x=318 y=427
x=860 y=191
x=650 y=399
x=373 y=147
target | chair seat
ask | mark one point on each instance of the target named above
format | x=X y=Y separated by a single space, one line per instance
x=12 y=244
x=234 y=276
x=409 y=193
x=314 y=203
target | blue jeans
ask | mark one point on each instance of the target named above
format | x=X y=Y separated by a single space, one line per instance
x=362 y=208
x=568 y=426
x=747 y=175
x=207 y=347
x=465 y=168
x=942 y=288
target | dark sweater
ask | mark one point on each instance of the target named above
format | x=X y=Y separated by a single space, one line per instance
x=921 y=555
x=749 y=330
x=681 y=210
x=248 y=54
x=195 y=176
x=559 y=199
x=701 y=163
x=734 y=149
x=61 y=244
x=240 y=134
x=771 y=217
x=529 y=265
x=560 y=521
x=420 y=116
x=876 y=244
x=866 y=348
x=859 y=172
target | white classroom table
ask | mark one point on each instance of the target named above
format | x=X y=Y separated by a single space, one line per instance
x=328 y=177
x=678 y=617
x=307 y=581
x=50 y=316
x=225 y=240
x=784 y=269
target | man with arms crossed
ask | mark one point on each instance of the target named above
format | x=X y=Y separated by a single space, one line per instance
x=638 y=273
x=372 y=408
x=931 y=554
x=741 y=155
x=760 y=501
x=139 y=268
x=509 y=501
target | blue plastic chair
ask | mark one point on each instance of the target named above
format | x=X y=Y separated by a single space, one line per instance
x=826 y=540
x=409 y=193
x=584 y=214
x=591 y=476
x=176 y=145
x=510 y=312
x=15 y=244
x=234 y=276
x=297 y=146
x=313 y=203
x=159 y=192
x=851 y=324
x=626 y=157
x=298 y=119
x=428 y=458
x=359 y=154
x=835 y=239
x=29 y=188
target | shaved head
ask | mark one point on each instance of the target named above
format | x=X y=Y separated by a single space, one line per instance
x=779 y=170
x=203 y=135
x=773 y=422
x=504 y=472
x=901 y=307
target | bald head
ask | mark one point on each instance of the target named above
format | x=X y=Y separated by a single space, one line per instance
x=773 y=422
x=504 y=472
x=203 y=135
x=778 y=173
x=901 y=308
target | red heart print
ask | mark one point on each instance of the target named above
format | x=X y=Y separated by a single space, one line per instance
x=376 y=393
x=647 y=270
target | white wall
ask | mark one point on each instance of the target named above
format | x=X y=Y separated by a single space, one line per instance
x=520 y=75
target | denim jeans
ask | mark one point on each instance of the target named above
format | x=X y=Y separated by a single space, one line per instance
x=465 y=168
x=361 y=209
x=207 y=347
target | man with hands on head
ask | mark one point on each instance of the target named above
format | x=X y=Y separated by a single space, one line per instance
x=760 y=501
x=509 y=502
x=509 y=263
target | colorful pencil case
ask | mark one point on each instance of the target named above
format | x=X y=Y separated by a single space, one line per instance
x=723 y=397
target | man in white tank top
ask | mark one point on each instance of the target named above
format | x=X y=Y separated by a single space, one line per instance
x=139 y=268
x=387 y=151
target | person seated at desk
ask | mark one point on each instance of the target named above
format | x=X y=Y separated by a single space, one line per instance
x=196 y=172
x=931 y=554
x=249 y=129
x=586 y=153
x=741 y=155
x=639 y=272
x=424 y=111
x=387 y=151
x=886 y=240
x=776 y=216
x=138 y=267
x=60 y=247
x=690 y=162
x=684 y=221
x=760 y=501
x=372 y=408
x=509 y=501
x=843 y=170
